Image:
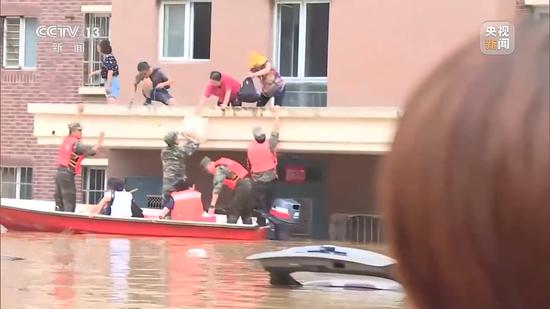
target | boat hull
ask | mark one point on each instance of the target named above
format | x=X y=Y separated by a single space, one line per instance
x=21 y=219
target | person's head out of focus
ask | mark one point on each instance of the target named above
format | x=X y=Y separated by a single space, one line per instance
x=256 y=61
x=171 y=139
x=144 y=69
x=104 y=47
x=115 y=184
x=466 y=187
x=215 y=78
x=259 y=134
x=208 y=165
x=75 y=129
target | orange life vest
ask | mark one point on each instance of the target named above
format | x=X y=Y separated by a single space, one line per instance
x=188 y=206
x=236 y=168
x=67 y=157
x=261 y=158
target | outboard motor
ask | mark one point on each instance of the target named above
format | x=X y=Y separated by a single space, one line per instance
x=283 y=215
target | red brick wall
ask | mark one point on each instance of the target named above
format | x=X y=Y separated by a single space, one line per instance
x=56 y=80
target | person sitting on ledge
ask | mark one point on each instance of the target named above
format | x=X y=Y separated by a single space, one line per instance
x=154 y=85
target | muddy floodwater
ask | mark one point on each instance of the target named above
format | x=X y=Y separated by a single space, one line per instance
x=43 y=270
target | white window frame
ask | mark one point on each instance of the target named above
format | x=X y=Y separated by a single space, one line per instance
x=189 y=40
x=100 y=11
x=95 y=9
x=18 y=179
x=22 y=43
x=301 y=39
x=86 y=190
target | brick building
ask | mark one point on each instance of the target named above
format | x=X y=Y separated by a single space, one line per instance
x=341 y=60
x=33 y=72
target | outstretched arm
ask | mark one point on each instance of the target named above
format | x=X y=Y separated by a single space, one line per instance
x=93 y=73
x=274 y=139
x=99 y=207
x=226 y=98
x=169 y=82
x=137 y=83
x=219 y=176
x=87 y=151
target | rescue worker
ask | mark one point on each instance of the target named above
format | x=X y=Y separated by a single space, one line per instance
x=71 y=154
x=262 y=163
x=173 y=166
x=234 y=176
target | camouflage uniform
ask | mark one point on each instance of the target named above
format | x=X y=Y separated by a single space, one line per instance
x=264 y=182
x=173 y=165
x=242 y=203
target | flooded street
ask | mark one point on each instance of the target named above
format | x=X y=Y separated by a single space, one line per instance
x=43 y=270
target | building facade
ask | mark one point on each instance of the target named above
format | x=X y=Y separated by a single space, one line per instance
x=349 y=66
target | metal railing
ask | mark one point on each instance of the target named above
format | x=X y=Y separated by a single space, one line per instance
x=360 y=228
x=154 y=201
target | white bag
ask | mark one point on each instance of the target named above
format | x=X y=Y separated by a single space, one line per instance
x=195 y=127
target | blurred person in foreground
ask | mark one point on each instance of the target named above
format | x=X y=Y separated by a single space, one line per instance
x=466 y=187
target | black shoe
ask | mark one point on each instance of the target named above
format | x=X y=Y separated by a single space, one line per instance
x=220 y=211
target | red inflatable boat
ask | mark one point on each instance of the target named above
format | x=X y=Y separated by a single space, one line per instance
x=40 y=216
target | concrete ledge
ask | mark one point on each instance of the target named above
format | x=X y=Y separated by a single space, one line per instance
x=536 y=2
x=91 y=91
x=244 y=112
x=96 y=8
x=95 y=162
x=318 y=130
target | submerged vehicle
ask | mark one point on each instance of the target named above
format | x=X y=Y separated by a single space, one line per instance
x=329 y=266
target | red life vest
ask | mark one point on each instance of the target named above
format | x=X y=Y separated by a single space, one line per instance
x=236 y=168
x=261 y=158
x=67 y=157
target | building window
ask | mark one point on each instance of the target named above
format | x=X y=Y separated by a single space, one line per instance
x=19 y=42
x=94 y=184
x=96 y=28
x=17 y=182
x=301 y=47
x=185 y=29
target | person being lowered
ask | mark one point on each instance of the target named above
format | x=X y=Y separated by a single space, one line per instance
x=174 y=158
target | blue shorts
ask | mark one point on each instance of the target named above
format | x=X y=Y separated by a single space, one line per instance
x=115 y=88
x=160 y=95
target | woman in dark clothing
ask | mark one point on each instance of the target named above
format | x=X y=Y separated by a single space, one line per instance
x=109 y=71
